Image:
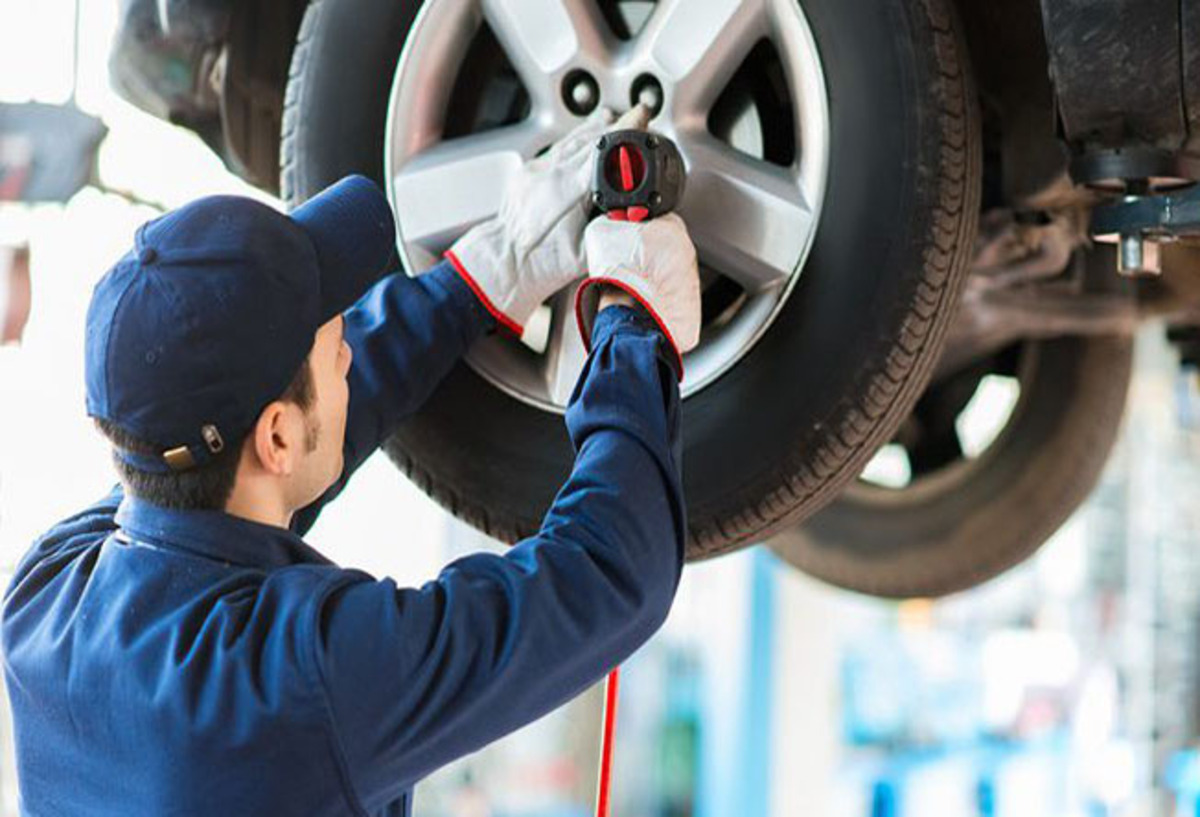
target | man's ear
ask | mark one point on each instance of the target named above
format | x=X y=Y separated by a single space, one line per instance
x=273 y=440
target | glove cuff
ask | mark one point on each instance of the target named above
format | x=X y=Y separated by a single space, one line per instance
x=501 y=318
x=587 y=298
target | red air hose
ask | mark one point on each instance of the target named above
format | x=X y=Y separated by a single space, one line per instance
x=606 y=742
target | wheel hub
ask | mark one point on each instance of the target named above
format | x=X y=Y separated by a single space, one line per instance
x=752 y=210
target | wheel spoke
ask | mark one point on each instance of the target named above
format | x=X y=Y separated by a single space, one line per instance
x=445 y=190
x=699 y=46
x=565 y=352
x=541 y=37
x=750 y=219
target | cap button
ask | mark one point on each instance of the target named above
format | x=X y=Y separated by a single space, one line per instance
x=147 y=255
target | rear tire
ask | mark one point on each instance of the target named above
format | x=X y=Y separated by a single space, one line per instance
x=958 y=528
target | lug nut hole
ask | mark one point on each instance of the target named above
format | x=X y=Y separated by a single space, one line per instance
x=580 y=92
x=648 y=91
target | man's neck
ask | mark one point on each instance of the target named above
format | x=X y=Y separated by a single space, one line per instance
x=264 y=510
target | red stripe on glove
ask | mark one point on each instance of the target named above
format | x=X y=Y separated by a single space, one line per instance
x=505 y=321
x=624 y=287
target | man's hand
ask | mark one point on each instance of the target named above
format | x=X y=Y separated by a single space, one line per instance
x=534 y=247
x=653 y=263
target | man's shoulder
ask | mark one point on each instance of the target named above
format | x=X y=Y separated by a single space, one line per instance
x=96 y=518
x=81 y=529
x=55 y=551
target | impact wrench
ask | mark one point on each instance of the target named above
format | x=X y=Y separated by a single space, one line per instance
x=639 y=176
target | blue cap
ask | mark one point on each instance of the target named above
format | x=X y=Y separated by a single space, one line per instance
x=208 y=318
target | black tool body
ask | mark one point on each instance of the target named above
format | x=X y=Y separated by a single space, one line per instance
x=639 y=175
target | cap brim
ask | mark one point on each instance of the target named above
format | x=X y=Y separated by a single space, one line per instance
x=351 y=225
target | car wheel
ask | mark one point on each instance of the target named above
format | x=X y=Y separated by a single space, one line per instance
x=833 y=153
x=955 y=508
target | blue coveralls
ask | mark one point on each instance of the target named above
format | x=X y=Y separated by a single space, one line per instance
x=166 y=662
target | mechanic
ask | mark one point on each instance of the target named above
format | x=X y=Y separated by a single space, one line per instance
x=177 y=648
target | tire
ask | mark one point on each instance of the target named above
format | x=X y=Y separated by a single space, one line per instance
x=778 y=436
x=973 y=520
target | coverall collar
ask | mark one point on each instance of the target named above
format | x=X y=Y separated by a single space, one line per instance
x=214 y=535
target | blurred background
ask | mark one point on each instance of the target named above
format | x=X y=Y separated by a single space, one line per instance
x=1067 y=687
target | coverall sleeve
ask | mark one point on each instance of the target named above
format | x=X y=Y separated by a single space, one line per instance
x=405 y=334
x=418 y=677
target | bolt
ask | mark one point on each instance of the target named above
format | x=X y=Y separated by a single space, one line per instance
x=651 y=97
x=598 y=198
x=602 y=144
x=655 y=199
x=584 y=95
x=1138 y=257
x=652 y=141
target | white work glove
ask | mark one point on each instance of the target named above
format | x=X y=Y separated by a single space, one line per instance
x=655 y=262
x=534 y=246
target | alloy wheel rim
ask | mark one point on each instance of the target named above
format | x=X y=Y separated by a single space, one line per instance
x=753 y=217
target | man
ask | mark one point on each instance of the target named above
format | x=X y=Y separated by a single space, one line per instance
x=178 y=649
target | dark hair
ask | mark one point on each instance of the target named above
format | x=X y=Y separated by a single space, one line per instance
x=206 y=487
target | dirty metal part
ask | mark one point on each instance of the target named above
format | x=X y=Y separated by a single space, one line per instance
x=1139 y=224
x=1132 y=122
x=1134 y=167
x=1189 y=21
x=1008 y=52
x=1082 y=298
x=1162 y=216
x=1030 y=280
x=1116 y=69
x=987 y=325
x=1016 y=248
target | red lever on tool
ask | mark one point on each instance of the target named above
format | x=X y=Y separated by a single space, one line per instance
x=630 y=171
x=626 y=161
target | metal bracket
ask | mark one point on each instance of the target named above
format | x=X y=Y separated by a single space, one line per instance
x=1139 y=224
